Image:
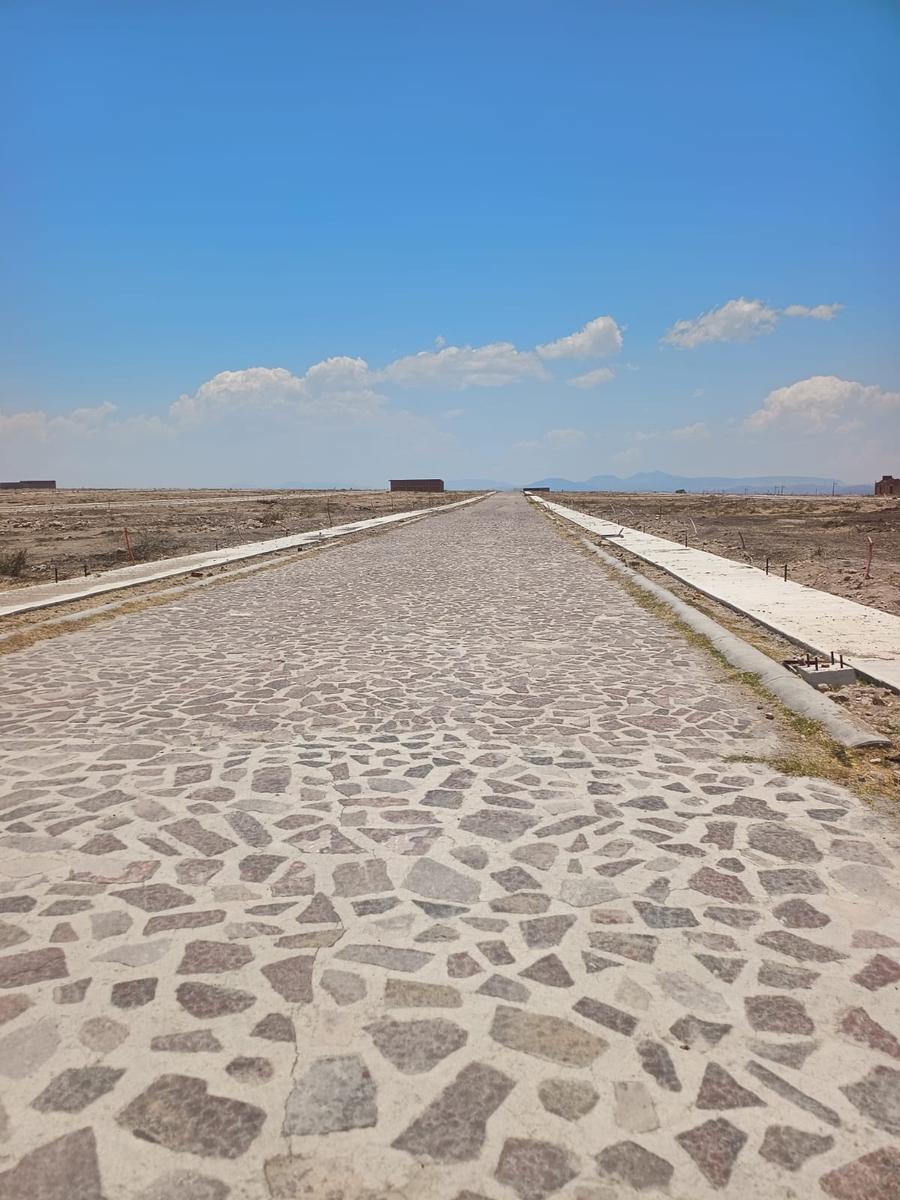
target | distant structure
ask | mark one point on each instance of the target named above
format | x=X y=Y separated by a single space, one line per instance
x=887 y=486
x=29 y=483
x=417 y=485
x=535 y=489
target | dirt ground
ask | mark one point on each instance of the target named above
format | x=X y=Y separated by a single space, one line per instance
x=72 y=528
x=823 y=539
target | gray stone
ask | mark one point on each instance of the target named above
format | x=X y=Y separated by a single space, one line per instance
x=788 y=1092
x=139 y=954
x=407 y=993
x=250 y=1070
x=25 y=1050
x=656 y=1061
x=333 y=1095
x=797 y=947
x=177 y=1111
x=543 y=932
x=390 y=957
x=606 y=1014
x=635 y=1110
x=205 y=1000
x=275 y=1027
x=362 y=878
x=581 y=892
x=550 y=971
x=788 y=1054
x=546 y=1037
x=292 y=978
x=570 y=1099
x=877 y=1096
x=155 y=897
x=499 y=825
x=777 y=1014
x=343 y=986
x=184 y=1185
x=688 y=992
x=76 y=1088
x=785 y=880
x=439 y=882
x=194 y=1041
x=453 y=1127
x=783 y=841
x=504 y=989
x=631 y=1164
x=133 y=993
x=639 y=947
x=65 y=1169
x=535 y=1169
x=110 y=924
x=414 y=1047
x=102 y=1034
x=790 y=1148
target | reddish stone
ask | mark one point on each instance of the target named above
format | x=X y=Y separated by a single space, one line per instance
x=858 y=1025
x=32 y=966
x=878 y=973
x=714 y=1147
x=875 y=1176
x=722 y=887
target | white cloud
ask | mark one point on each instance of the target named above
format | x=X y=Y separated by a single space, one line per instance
x=739 y=321
x=592 y=379
x=453 y=414
x=698 y=432
x=554 y=439
x=494 y=365
x=336 y=385
x=598 y=339
x=819 y=402
x=736 y=321
x=820 y=312
x=39 y=425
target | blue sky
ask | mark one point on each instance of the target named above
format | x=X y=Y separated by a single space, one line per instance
x=258 y=243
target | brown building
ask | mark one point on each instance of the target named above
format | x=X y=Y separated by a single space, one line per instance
x=29 y=483
x=417 y=485
x=887 y=486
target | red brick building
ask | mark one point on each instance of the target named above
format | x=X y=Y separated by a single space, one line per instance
x=28 y=484
x=417 y=485
x=887 y=486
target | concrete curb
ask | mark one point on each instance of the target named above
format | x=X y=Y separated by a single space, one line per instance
x=793 y=693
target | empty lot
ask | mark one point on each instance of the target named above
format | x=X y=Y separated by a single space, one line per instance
x=71 y=528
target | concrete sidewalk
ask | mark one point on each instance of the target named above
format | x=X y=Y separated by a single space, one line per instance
x=868 y=638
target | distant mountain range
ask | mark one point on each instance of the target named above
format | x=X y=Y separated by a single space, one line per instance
x=660 y=481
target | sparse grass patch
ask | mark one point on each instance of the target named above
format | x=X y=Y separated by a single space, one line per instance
x=14 y=563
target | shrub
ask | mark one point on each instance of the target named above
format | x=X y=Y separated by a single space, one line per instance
x=13 y=564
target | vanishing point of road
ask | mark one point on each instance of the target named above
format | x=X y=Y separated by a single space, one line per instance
x=431 y=867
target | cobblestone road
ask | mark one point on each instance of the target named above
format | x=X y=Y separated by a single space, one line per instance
x=416 y=871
